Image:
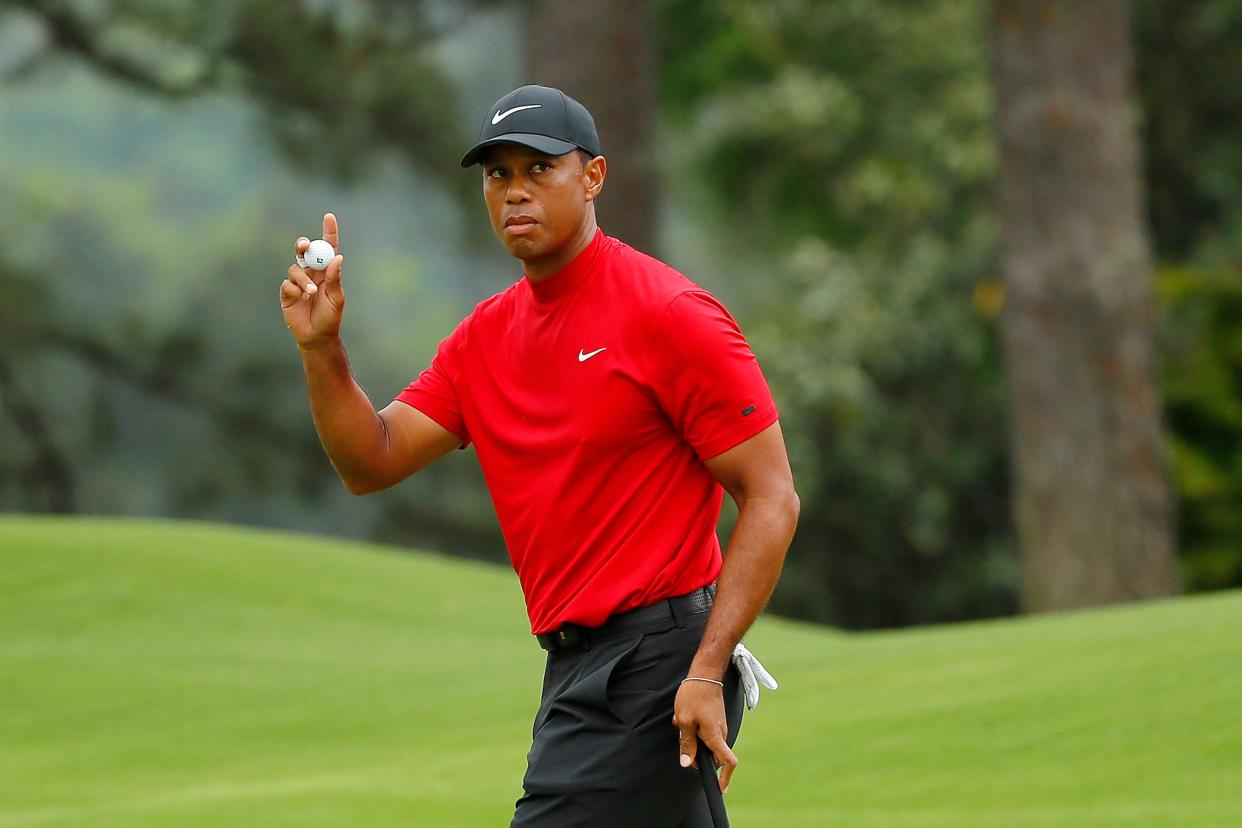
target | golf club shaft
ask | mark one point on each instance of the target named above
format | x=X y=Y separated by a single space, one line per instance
x=711 y=786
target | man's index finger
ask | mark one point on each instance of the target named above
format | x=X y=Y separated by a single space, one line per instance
x=331 y=232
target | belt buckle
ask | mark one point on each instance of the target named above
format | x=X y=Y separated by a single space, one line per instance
x=570 y=635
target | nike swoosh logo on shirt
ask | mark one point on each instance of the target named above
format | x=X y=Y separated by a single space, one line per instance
x=498 y=117
x=583 y=357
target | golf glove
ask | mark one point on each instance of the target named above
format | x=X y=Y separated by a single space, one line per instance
x=753 y=674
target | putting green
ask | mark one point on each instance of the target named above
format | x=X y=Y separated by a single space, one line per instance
x=185 y=674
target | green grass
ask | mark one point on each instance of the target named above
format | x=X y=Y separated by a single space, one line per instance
x=181 y=674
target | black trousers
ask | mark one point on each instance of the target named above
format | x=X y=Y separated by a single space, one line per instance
x=605 y=751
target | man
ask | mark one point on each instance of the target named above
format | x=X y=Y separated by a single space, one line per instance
x=609 y=400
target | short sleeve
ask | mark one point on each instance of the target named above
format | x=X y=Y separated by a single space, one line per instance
x=434 y=392
x=706 y=377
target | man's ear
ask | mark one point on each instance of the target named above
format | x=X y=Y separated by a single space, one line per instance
x=595 y=171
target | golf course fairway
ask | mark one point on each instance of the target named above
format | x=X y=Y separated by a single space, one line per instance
x=160 y=673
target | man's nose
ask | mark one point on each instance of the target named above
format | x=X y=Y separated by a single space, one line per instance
x=516 y=193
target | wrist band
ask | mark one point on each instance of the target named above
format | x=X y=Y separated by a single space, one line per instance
x=699 y=678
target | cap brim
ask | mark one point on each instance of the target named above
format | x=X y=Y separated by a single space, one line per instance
x=550 y=146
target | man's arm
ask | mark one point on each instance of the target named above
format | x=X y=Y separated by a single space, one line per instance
x=756 y=474
x=369 y=451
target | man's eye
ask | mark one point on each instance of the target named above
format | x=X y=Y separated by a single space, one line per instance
x=496 y=173
x=540 y=165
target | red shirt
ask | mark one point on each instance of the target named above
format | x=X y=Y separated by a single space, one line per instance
x=592 y=398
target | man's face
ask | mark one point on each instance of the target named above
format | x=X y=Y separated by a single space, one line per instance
x=538 y=203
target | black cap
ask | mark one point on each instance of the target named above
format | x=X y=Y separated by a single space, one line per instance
x=539 y=117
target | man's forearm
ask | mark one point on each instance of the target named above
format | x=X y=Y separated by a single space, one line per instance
x=352 y=434
x=752 y=566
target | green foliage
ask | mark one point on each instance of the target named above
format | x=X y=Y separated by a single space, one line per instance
x=845 y=151
x=839 y=119
x=340 y=84
x=144 y=366
x=1203 y=389
x=1189 y=62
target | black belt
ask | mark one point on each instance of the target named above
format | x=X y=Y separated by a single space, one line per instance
x=670 y=609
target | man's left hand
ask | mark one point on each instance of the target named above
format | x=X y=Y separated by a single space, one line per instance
x=699 y=713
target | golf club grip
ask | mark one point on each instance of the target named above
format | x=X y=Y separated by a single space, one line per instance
x=711 y=786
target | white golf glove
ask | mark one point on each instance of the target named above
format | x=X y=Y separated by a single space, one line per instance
x=753 y=674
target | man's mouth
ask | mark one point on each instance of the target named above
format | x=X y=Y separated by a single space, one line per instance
x=519 y=225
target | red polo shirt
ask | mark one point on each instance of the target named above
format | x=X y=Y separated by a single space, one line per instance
x=592 y=398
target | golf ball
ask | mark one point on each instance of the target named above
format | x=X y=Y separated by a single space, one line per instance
x=318 y=255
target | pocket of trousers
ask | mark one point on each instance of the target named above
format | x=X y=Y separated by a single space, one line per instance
x=643 y=683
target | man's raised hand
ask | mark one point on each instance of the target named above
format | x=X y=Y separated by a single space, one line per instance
x=312 y=300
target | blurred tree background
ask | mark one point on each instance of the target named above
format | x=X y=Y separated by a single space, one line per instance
x=828 y=168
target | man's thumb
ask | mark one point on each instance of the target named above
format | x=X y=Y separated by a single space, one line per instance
x=687 y=748
x=332 y=282
x=333 y=272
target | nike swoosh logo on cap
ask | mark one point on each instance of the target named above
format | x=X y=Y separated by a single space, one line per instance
x=499 y=116
x=584 y=357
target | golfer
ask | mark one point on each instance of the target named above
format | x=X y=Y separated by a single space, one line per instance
x=611 y=401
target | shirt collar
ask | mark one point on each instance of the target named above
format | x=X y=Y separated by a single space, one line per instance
x=569 y=277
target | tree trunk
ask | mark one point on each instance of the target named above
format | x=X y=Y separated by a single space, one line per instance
x=1092 y=501
x=599 y=51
